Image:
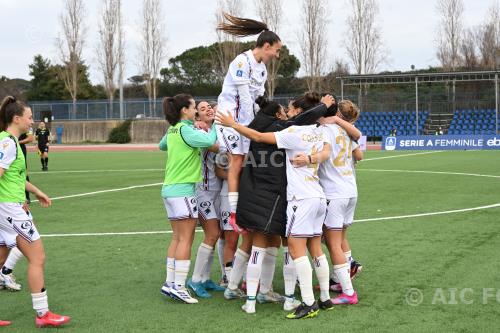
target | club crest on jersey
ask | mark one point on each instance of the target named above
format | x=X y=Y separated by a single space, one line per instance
x=239 y=73
x=240 y=64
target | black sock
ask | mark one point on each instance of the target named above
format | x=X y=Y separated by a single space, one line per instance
x=46 y=161
x=42 y=160
x=6 y=270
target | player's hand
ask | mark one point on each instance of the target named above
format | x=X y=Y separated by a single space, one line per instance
x=225 y=119
x=43 y=199
x=300 y=160
x=328 y=100
x=26 y=206
x=201 y=125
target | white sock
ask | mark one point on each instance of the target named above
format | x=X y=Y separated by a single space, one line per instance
x=170 y=280
x=13 y=258
x=268 y=266
x=323 y=275
x=304 y=273
x=348 y=257
x=181 y=273
x=254 y=271
x=40 y=303
x=202 y=256
x=342 y=272
x=208 y=267
x=228 y=270
x=233 y=201
x=239 y=263
x=220 y=254
x=289 y=273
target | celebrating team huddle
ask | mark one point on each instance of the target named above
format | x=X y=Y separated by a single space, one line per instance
x=245 y=167
x=256 y=176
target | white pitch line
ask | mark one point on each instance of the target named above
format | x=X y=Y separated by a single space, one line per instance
x=103 y=191
x=115 y=233
x=402 y=155
x=356 y=221
x=431 y=172
x=92 y=171
x=430 y=214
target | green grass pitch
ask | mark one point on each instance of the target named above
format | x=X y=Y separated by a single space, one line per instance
x=112 y=283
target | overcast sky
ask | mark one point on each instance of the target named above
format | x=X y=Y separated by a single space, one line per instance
x=30 y=27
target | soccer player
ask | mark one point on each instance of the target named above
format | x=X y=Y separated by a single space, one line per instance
x=339 y=184
x=208 y=198
x=244 y=82
x=16 y=223
x=7 y=278
x=306 y=207
x=182 y=171
x=42 y=135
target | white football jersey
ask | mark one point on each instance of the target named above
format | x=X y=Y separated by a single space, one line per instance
x=303 y=182
x=243 y=70
x=210 y=181
x=336 y=175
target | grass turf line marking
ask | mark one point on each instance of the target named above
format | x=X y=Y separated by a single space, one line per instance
x=356 y=221
x=103 y=191
x=92 y=171
x=432 y=172
x=402 y=155
x=430 y=214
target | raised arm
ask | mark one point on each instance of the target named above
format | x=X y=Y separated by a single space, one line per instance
x=351 y=130
x=228 y=121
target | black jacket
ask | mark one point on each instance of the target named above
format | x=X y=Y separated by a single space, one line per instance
x=262 y=193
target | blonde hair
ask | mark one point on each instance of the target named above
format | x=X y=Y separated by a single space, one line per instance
x=350 y=112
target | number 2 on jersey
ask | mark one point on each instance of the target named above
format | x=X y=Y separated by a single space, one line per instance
x=341 y=158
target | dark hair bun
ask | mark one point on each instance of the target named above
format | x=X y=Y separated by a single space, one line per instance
x=312 y=97
x=262 y=102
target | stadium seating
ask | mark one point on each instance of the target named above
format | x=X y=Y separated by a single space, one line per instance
x=473 y=122
x=375 y=124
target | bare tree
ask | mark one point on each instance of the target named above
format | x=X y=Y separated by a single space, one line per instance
x=468 y=48
x=489 y=39
x=271 y=12
x=70 y=45
x=312 y=40
x=107 y=50
x=228 y=45
x=450 y=32
x=152 y=48
x=364 y=41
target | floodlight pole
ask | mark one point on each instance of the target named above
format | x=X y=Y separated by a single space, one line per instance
x=416 y=102
x=496 y=103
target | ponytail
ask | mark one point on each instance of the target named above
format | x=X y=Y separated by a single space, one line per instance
x=9 y=108
x=243 y=27
x=172 y=107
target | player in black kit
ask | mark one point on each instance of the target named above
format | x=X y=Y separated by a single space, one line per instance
x=42 y=136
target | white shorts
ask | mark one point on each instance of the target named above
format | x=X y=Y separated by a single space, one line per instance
x=208 y=205
x=340 y=213
x=181 y=208
x=225 y=213
x=305 y=217
x=15 y=221
x=232 y=141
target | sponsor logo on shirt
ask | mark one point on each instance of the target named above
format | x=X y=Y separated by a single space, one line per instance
x=239 y=73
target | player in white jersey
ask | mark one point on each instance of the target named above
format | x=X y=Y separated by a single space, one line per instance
x=208 y=201
x=243 y=83
x=339 y=184
x=306 y=206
